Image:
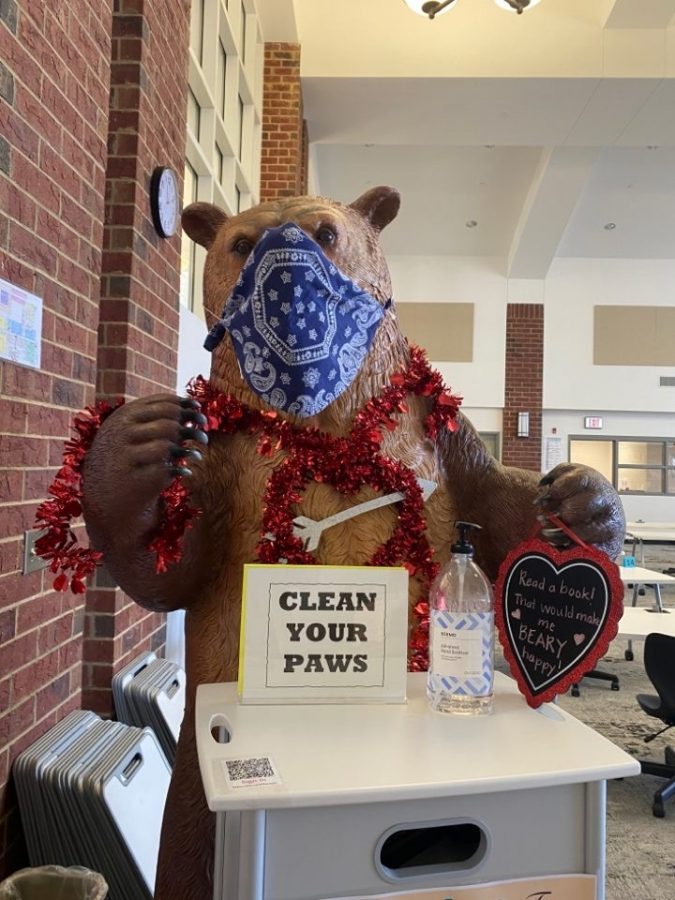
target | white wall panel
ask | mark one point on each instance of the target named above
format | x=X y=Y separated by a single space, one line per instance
x=444 y=279
x=572 y=288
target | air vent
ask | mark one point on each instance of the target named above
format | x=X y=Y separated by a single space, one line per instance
x=667 y=381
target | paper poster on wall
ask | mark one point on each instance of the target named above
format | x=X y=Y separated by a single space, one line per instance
x=323 y=634
x=20 y=325
x=554 y=887
x=553 y=452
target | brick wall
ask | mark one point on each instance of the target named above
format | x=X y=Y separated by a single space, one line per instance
x=54 y=81
x=283 y=170
x=138 y=330
x=92 y=99
x=523 y=383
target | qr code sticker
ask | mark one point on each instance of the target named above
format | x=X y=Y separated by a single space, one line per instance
x=250 y=771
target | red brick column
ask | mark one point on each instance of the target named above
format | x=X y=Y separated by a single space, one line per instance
x=54 y=80
x=138 y=331
x=283 y=171
x=523 y=383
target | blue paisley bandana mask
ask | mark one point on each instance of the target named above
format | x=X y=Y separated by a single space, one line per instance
x=300 y=328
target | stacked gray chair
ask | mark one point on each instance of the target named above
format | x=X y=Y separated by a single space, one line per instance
x=151 y=692
x=92 y=793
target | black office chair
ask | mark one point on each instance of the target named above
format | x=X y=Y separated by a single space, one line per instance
x=659 y=660
x=601 y=676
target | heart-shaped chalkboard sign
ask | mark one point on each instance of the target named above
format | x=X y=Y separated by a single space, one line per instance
x=556 y=612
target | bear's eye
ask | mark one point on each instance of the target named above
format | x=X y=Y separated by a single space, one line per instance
x=325 y=235
x=242 y=247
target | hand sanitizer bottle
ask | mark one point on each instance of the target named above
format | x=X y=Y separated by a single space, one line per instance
x=461 y=634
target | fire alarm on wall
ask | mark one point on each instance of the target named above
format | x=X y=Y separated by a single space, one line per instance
x=164 y=201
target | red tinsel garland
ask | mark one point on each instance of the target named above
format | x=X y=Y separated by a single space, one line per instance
x=59 y=544
x=346 y=463
x=176 y=517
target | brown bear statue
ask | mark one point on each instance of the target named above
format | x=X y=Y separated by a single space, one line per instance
x=306 y=358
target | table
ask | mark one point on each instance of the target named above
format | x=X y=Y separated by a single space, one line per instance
x=531 y=783
x=638 y=575
x=638 y=622
x=639 y=532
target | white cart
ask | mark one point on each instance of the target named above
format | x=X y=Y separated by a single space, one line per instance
x=513 y=794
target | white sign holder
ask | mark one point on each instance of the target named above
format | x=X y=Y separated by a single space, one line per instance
x=323 y=634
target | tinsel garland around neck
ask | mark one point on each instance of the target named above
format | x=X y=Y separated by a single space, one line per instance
x=346 y=463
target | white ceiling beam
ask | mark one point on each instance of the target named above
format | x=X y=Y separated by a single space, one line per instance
x=605 y=11
x=277 y=20
x=550 y=201
x=640 y=14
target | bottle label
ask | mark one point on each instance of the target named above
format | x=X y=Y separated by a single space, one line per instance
x=461 y=652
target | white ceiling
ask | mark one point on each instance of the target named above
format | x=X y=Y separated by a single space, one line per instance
x=541 y=128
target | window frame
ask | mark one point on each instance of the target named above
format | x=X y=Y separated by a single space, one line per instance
x=225 y=80
x=617 y=468
x=493 y=436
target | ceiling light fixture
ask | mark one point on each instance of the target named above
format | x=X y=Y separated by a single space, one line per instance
x=433 y=8
x=516 y=6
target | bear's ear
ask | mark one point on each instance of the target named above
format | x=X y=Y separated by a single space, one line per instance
x=379 y=206
x=201 y=221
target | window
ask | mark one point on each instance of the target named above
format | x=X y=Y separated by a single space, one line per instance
x=197 y=28
x=598 y=454
x=193 y=114
x=241 y=125
x=242 y=33
x=491 y=441
x=641 y=466
x=221 y=75
x=224 y=98
x=187 y=247
x=633 y=465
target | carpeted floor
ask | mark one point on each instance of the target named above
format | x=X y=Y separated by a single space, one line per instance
x=640 y=847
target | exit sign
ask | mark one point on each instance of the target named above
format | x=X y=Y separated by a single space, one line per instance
x=593 y=422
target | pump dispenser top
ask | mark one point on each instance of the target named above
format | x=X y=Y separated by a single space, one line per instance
x=461 y=633
x=463 y=545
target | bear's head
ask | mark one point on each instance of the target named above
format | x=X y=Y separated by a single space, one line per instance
x=348 y=237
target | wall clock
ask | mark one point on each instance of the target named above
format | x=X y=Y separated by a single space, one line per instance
x=164 y=201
